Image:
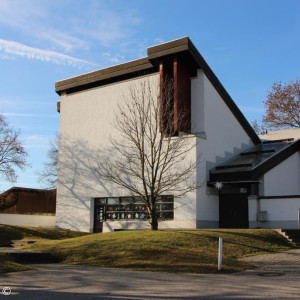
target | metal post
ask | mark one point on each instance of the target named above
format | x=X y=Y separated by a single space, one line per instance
x=220 y=254
x=299 y=218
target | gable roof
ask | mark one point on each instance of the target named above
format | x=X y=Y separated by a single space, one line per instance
x=252 y=164
x=183 y=48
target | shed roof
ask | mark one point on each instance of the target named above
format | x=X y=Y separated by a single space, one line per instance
x=251 y=164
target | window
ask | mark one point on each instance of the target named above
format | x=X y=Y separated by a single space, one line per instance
x=133 y=208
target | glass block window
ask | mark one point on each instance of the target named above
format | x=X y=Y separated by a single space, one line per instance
x=133 y=208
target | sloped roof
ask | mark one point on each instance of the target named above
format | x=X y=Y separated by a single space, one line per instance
x=182 y=48
x=250 y=165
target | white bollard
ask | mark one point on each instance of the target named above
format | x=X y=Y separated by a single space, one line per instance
x=220 y=254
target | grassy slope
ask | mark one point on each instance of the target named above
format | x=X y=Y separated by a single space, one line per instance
x=174 y=251
x=10 y=233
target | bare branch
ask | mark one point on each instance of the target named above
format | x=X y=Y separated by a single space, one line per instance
x=12 y=153
x=149 y=160
x=49 y=173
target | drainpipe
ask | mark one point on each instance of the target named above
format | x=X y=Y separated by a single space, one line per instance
x=257 y=207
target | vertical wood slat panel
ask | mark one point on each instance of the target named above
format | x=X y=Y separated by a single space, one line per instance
x=182 y=97
x=34 y=201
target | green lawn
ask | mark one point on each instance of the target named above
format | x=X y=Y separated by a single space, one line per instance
x=192 y=251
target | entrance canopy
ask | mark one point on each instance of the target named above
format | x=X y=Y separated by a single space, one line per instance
x=250 y=165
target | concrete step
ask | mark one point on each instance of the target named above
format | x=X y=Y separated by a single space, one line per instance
x=293 y=235
x=29 y=257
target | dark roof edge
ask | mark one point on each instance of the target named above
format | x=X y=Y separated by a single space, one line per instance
x=85 y=80
x=16 y=188
x=224 y=94
x=276 y=159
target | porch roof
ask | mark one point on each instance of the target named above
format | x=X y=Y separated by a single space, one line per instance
x=253 y=163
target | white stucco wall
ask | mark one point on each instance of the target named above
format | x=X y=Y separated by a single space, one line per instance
x=86 y=120
x=220 y=138
x=283 y=179
x=27 y=220
x=281 y=212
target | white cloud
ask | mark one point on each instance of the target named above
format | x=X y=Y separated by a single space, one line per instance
x=20 y=102
x=8 y=114
x=116 y=58
x=17 y=49
x=97 y=22
x=37 y=141
x=32 y=20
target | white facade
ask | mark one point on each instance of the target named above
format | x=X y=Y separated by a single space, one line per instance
x=86 y=120
x=88 y=109
x=284 y=179
x=85 y=127
x=279 y=196
x=212 y=121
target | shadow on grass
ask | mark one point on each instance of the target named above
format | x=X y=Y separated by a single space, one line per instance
x=251 y=237
x=274 y=238
x=8 y=233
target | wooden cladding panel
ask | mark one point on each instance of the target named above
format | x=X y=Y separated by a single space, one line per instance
x=175 y=76
x=182 y=98
x=34 y=202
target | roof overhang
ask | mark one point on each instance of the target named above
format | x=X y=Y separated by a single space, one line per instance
x=256 y=172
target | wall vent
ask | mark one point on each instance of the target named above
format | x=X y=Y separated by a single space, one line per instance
x=262 y=216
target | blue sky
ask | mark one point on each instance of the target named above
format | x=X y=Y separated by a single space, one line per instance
x=248 y=44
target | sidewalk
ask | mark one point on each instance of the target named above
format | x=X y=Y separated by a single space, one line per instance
x=278 y=277
x=283 y=262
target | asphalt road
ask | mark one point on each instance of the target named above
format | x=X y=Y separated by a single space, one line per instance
x=56 y=281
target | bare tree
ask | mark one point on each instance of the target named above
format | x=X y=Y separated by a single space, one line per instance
x=49 y=173
x=148 y=159
x=259 y=128
x=12 y=153
x=283 y=106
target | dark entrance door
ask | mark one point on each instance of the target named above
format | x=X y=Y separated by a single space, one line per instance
x=233 y=211
x=99 y=212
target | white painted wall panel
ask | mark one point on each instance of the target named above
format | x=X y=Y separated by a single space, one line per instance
x=284 y=179
x=27 y=220
x=281 y=209
x=220 y=138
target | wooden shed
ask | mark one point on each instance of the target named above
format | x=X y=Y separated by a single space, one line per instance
x=28 y=201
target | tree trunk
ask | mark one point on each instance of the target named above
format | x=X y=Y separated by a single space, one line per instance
x=154 y=223
x=153 y=218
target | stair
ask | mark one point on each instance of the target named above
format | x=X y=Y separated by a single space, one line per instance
x=293 y=235
x=33 y=258
x=29 y=257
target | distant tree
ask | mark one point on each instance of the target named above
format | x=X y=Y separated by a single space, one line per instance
x=7 y=200
x=49 y=173
x=259 y=128
x=283 y=106
x=12 y=152
x=148 y=160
